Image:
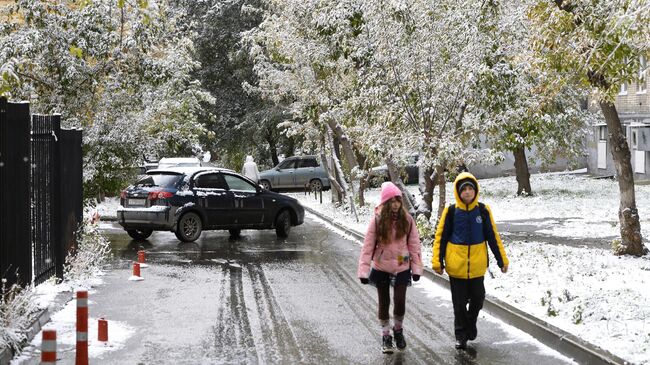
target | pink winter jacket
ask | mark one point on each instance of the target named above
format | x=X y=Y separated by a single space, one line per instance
x=392 y=257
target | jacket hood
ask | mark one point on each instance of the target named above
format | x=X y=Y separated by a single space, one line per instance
x=459 y=202
x=249 y=158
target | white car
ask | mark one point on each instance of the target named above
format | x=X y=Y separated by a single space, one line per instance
x=167 y=162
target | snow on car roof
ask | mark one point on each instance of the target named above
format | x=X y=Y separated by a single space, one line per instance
x=187 y=170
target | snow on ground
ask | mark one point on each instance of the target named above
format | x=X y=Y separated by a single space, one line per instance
x=108 y=208
x=580 y=288
x=64 y=321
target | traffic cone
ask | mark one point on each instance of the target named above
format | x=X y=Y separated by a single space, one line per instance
x=141 y=259
x=82 y=328
x=136 y=273
x=48 y=347
x=102 y=330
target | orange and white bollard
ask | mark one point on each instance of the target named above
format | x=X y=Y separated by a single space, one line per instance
x=82 y=328
x=102 y=330
x=136 y=273
x=48 y=348
x=141 y=259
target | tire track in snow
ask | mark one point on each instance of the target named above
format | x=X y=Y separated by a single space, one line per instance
x=279 y=342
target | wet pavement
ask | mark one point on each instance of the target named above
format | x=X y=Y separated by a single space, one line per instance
x=263 y=300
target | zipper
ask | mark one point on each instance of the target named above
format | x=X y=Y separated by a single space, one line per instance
x=469 y=224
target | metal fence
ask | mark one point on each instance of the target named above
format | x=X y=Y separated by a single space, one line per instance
x=15 y=242
x=41 y=194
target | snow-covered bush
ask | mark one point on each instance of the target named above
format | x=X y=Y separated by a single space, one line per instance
x=17 y=312
x=91 y=253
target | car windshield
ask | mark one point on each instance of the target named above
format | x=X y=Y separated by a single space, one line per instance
x=162 y=180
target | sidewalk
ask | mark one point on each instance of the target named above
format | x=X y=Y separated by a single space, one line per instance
x=563 y=278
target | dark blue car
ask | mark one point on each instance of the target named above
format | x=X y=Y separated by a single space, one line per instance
x=188 y=201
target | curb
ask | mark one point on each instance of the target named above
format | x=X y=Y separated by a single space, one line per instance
x=567 y=344
x=6 y=354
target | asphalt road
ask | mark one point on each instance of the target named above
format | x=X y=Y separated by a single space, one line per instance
x=263 y=300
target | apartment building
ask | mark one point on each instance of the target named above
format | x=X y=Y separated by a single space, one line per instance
x=633 y=106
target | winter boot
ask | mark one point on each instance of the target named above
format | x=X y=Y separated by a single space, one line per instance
x=461 y=344
x=387 y=344
x=399 y=339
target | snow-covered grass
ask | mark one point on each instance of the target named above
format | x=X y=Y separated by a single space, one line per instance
x=580 y=287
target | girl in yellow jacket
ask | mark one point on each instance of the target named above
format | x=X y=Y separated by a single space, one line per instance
x=460 y=247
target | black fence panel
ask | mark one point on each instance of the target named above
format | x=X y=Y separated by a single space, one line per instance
x=71 y=191
x=45 y=183
x=15 y=240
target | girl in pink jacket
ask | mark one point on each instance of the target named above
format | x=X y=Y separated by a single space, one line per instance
x=390 y=256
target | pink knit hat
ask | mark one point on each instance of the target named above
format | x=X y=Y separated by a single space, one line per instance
x=388 y=191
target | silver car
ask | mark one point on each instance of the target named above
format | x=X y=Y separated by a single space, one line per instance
x=296 y=172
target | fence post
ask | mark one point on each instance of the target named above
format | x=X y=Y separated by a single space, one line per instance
x=71 y=187
x=15 y=227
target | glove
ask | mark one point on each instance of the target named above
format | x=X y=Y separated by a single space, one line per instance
x=416 y=277
x=364 y=281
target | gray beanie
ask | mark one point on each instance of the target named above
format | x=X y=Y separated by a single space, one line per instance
x=466 y=182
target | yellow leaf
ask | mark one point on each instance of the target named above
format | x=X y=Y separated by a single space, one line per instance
x=76 y=51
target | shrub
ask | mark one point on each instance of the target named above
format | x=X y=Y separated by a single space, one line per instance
x=17 y=312
x=91 y=253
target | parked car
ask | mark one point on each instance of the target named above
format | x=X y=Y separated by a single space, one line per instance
x=295 y=173
x=409 y=173
x=189 y=200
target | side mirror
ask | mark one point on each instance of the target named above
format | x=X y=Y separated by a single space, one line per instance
x=277 y=168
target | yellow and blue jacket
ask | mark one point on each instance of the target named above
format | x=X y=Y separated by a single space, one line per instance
x=462 y=237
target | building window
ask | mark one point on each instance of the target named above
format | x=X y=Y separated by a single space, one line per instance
x=602 y=133
x=634 y=138
x=642 y=85
x=623 y=89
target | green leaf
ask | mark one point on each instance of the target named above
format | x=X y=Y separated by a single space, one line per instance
x=76 y=51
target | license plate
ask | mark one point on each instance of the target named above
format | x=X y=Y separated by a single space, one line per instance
x=138 y=202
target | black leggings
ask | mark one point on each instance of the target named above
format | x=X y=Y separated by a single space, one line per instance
x=399 y=301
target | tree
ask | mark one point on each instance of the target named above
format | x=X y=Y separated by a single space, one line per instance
x=119 y=70
x=597 y=45
x=239 y=113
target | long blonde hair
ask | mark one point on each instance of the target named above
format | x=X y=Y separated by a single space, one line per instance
x=385 y=222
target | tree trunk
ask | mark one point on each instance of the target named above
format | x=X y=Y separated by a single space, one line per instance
x=272 y=148
x=363 y=180
x=347 y=190
x=289 y=149
x=442 y=189
x=628 y=215
x=521 y=170
x=348 y=152
x=427 y=186
x=407 y=199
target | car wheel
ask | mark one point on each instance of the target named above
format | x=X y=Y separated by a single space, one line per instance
x=265 y=184
x=283 y=224
x=189 y=227
x=234 y=232
x=316 y=185
x=139 y=234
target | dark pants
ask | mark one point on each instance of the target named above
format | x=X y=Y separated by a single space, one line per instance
x=399 y=301
x=463 y=292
